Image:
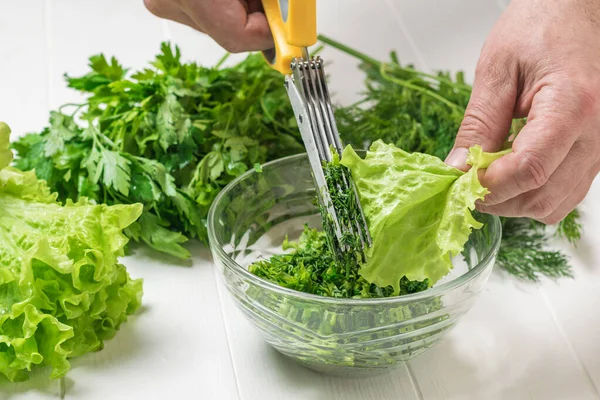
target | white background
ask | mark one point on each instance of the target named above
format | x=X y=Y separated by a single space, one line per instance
x=520 y=341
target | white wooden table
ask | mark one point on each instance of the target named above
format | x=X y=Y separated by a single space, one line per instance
x=520 y=341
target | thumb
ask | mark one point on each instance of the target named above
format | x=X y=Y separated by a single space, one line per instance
x=490 y=110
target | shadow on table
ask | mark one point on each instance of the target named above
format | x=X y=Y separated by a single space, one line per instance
x=511 y=355
x=506 y=378
x=39 y=384
x=199 y=253
x=307 y=384
x=114 y=352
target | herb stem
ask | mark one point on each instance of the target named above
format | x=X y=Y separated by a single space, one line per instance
x=363 y=57
x=222 y=60
x=420 y=89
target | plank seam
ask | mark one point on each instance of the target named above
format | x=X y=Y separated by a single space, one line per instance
x=413 y=46
x=414 y=382
x=567 y=341
x=400 y=22
x=47 y=5
x=227 y=336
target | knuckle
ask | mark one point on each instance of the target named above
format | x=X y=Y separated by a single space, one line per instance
x=581 y=94
x=477 y=125
x=233 y=46
x=587 y=149
x=552 y=219
x=154 y=6
x=532 y=172
x=581 y=193
x=494 y=67
x=589 y=101
x=541 y=207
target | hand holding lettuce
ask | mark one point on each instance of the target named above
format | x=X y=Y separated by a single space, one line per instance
x=418 y=210
x=62 y=290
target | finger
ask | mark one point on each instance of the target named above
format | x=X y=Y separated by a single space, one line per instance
x=539 y=148
x=490 y=110
x=171 y=11
x=232 y=24
x=183 y=18
x=255 y=6
x=571 y=202
x=544 y=201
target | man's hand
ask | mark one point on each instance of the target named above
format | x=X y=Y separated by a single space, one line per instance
x=541 y=61
x=237 y=25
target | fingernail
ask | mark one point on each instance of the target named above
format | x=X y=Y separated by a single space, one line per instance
x=458 y=158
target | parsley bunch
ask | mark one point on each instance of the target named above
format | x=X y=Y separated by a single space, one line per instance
x=169 y=136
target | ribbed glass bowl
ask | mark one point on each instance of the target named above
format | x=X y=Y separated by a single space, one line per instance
x=350 y=337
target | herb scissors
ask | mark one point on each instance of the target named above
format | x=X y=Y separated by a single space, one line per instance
x=293 y=25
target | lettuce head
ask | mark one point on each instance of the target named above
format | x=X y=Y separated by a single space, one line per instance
x=62 y=289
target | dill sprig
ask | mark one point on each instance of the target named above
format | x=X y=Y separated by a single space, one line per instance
x=570 y=228
x=523 y=252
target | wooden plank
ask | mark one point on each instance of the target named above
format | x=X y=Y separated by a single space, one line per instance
x=261 y=372
x=24 y=106
x=264 y=374
x=176 y=346
x=448 y=34
x=506 y=347
x=574 y=302
x=24 y=99
x=124 y=29
x=519 y=342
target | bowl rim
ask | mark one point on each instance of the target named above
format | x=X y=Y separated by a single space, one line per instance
x=407 y=298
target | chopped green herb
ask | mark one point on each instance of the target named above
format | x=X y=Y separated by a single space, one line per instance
x=312 y=268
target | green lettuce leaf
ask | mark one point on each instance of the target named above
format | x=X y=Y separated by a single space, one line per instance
x=62 y=290
x=418 y=210
x=6 y=155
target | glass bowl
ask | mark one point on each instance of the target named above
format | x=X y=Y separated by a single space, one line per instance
x=350 y=337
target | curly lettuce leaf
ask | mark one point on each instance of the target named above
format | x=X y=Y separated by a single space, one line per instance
x=6 y=155
x=62 y=290
x=418 y=210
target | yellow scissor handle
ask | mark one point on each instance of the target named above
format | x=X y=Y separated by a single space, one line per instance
x=293 y=25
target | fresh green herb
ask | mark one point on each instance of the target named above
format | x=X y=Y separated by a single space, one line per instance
x=350 y=249
x=312 y=268
x=523 y=252
x=62 y=289
x=570 y=228
x=169 y=136
x=421 y=112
